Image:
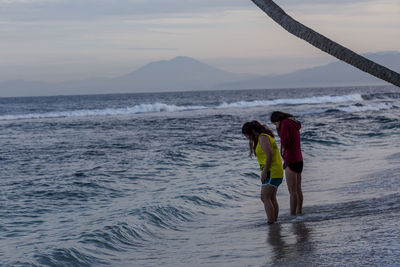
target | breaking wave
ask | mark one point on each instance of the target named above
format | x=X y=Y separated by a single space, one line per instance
x=162 y=107
x=295 y=101
x=142 y=108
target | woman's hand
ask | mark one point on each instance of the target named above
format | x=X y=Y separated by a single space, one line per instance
x=263 y=177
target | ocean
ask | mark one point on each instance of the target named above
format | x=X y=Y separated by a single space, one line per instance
x=165 y=179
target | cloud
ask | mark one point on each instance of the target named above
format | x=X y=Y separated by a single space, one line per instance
x=150 y=48
x=78 y=9
x=89 y=9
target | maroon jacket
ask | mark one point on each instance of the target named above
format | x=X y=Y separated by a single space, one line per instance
x=289 y=134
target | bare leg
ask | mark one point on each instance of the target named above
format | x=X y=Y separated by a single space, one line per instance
x=291 y=180
x=275 y=203
x=266 y=196
x=299 y=195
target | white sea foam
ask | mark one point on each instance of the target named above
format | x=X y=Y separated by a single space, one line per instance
x=142 y=108
x=162 y=107
x=295 y=101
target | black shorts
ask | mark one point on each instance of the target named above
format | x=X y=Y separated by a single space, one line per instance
x=296 y=167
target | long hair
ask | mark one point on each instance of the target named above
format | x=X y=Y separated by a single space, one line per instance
x=278 y=116
x=253 y=128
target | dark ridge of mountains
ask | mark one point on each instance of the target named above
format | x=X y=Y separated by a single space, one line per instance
x=333 y=74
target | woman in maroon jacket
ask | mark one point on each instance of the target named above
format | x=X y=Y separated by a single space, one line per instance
x=288 y=129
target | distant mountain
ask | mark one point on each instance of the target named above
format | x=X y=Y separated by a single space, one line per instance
x=185 y=74
x=178 y=74
x=333 y=74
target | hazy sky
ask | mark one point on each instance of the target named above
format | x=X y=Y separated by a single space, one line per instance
x=56 y=40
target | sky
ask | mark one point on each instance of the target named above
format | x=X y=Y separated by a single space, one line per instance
x=60 y=40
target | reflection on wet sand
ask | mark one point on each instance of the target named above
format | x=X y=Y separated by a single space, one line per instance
x=280 y=238
x=302 y=233
x=276 y=241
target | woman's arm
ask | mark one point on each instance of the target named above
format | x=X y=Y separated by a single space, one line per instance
x=284 y=135
x=266 y=146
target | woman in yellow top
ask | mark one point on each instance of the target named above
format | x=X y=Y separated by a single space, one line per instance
x=262 y=144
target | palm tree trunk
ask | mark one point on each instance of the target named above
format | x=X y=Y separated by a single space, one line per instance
x=325 y=44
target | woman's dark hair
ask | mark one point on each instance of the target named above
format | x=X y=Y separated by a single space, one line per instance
x=252 y=128
x=278 y=116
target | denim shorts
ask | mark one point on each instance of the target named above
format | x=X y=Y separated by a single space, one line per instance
x=275 y=182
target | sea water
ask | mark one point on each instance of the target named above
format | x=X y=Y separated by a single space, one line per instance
x=165 y=179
